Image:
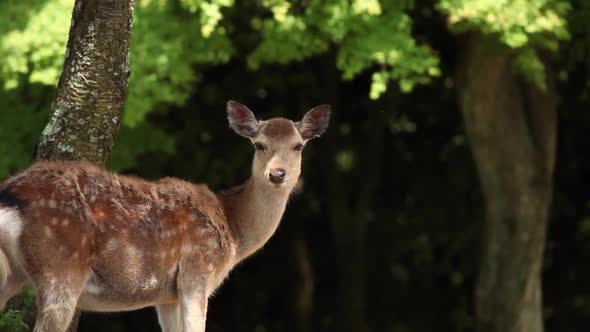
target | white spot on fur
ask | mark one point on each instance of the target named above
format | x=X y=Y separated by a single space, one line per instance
x=52 y=204
x=134 y=259
x=48 y=232
x=151 y=283
x=54 y=221
x=84 y=240
x=65 y=222
x=41 y=202
x=112 y=244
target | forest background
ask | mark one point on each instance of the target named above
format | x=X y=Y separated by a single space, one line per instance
x=448 y=193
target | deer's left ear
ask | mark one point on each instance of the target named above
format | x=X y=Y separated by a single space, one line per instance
x=242 y=120
x=315 y=122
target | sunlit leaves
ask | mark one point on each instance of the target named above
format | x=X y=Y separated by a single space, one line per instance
x=34 y=35
x=163 y=54
x=515 y=21
x=385 y=42
x=369 y=35
x=528 y=64
x=209 y=13
x=520 y=24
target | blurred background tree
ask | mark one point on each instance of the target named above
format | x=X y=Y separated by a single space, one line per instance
x=426 y=204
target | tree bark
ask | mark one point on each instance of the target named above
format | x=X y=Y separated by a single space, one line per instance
x=512 y=131
x=86 y=112
x=303 y=305
x=349 y=210
x=91 y=92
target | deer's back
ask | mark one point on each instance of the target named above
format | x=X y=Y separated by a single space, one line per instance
x=126 y=235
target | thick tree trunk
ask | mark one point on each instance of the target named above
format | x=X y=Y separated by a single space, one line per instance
x=512 y=130
x=86 y=112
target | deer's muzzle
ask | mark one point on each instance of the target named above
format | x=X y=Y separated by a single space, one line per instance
x=277 y=175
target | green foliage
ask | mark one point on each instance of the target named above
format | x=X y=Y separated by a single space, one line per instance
x=133 y=141
x=516 y=22
x=371 y=35
x=33 y=40
x=209 y=13
x=20 y=124
x=12 y=320
x=522 y=25
x=164 y=52
x=528 y=64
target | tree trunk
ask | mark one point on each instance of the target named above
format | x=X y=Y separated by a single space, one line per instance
x=91 y=92
x=512 y=130
x=349 y=210
x=303 y=306
x=86 y=112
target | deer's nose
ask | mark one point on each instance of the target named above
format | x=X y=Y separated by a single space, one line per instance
x=277 y=175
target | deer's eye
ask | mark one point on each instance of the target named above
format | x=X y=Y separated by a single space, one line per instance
x=259 y=146
x=298 y=147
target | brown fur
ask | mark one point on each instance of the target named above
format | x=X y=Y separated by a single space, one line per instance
x=81 y=220
x=279 y=129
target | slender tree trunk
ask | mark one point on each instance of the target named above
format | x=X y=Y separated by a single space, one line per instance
x=512 y=130
x=349 y=212
x=303 y=306
x=86 y=112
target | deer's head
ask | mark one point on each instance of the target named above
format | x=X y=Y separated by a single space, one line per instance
x=278 y=142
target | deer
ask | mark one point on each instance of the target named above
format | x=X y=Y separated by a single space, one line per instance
x=88 y=239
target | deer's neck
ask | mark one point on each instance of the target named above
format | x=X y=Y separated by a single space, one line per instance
x=255 y=211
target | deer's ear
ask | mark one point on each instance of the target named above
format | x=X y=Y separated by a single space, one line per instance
x=314 y=122
x=242 y=120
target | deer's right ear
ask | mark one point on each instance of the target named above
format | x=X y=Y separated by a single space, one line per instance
x=241 y=119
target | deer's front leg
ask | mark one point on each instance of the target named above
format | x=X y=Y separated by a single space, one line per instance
x=169 y=317
x=194 y=310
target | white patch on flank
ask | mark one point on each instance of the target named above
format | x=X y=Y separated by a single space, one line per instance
x=65 y=222
x=11 y=227
x=92 y=288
